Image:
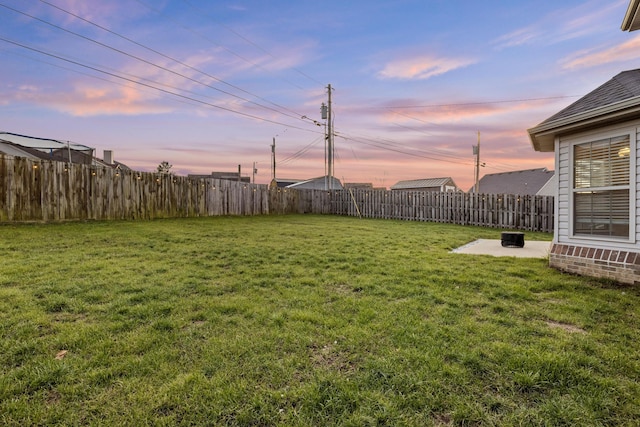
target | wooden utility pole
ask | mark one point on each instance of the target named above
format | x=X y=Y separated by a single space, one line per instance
x=329 y=141
x=323 y=115
x=477 y=153
x=273 y=158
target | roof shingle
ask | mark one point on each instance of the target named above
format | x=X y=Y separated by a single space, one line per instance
x=623 y=86
x=525 y=182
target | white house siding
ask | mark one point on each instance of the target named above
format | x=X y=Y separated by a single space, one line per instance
x=619 y=261
x=638 y=186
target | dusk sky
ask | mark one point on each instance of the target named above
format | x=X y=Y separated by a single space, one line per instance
x=207 y=85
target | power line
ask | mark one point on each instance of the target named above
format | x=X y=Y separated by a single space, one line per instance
x=444 y=157
x=401 y=146
x=168 y=57
x=153 y=87
x=301 y=152
x=377 y=144
x=93 y=76
x=148 y=62
x=414 y=118
x=504 y=167
x=462 y=104
x=252 y=43
x=237 y=55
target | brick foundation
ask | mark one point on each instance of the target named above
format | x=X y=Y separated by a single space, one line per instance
x=618 y=265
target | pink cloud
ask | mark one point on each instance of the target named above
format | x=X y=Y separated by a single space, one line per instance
x=590 y=58
x=452 y=113
x=91 y=100
x=455 y=113
x=421 y=68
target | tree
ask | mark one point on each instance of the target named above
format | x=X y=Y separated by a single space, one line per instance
x=164 y=168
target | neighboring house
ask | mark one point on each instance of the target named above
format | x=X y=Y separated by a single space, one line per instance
x=45 y=148
x=34 y=148
x=14 y=150
x=549 y=189
x=427 y=184
x=597 y=218
x=107 y=160
x=320 y=183
x=530 y=182
x=230 y=176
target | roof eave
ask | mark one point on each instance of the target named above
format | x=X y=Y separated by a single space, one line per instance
x=631 y=21
x=543 y=136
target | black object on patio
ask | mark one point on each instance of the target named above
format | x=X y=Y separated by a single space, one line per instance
x=512 y=239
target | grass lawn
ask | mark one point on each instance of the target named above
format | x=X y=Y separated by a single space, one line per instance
x=304 y=321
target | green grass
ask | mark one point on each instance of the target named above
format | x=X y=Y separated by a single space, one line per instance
x=301 y=321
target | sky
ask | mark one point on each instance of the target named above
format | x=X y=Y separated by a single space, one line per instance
x=209 y=85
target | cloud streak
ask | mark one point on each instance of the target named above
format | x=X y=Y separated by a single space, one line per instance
x=82 y=100
x=455 y=113
x=110 y=11
x=590 y=58
x=422 y=67
x=562 y=25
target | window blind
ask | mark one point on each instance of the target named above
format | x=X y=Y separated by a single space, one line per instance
x=601 y=187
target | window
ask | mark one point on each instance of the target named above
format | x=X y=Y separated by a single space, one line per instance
x=601 y=172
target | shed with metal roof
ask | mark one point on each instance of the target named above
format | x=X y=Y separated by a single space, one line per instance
x=427 y=184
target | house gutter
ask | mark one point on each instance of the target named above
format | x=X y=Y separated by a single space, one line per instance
x=543 y=136
x=631 y=21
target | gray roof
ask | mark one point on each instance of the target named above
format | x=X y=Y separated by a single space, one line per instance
x=17 y=151
x=50 y=149
x=616 y=100
x=319 y=183
x=623 y=86
x=40 y=153
x=284 y=182
x=45 y=144
x=525 y=182
x=423 y=183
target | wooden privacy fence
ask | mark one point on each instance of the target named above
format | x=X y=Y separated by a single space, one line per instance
x=34 y=190
x=55 y=191
x=533 y=213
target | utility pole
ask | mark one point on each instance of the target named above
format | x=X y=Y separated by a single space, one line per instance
x=476 y=151
x=329 y=141
x=239 y=171
x=323 y=116
x=255 y=171
x=273 y=158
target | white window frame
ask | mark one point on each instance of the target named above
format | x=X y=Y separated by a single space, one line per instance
x=593 y=137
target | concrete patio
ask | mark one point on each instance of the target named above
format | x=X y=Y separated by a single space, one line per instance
x=531 y=249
